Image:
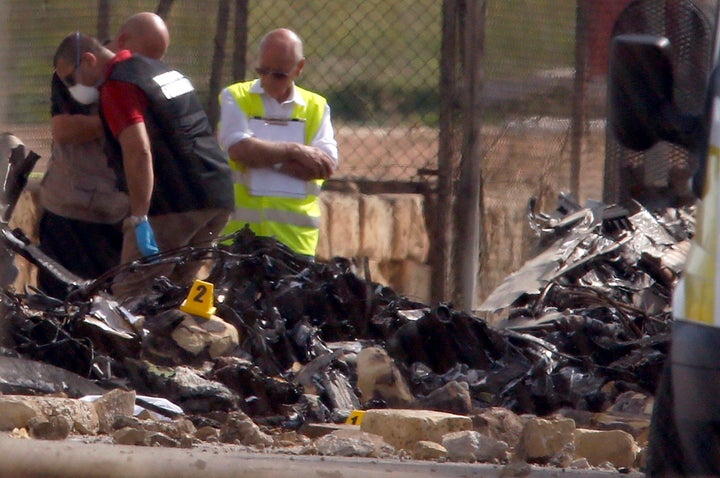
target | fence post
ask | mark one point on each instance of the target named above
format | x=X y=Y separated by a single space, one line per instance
x=6 y=75
x=218 y=60
x=442 y=221
x=579 y=114
x=163 y=9
x=240 y=40
x=103 y=20
x=468 y=203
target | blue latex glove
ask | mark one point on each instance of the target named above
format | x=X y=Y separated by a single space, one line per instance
x=145 y=239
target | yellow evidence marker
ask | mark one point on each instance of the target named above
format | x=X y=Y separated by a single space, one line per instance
x=355 y=417
x=199 y=300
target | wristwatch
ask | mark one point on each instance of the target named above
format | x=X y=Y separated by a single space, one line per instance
x=135 y=220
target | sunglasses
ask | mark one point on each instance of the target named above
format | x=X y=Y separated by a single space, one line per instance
x=278 y=75
x=69 y=80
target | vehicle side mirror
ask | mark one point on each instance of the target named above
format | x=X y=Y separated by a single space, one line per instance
x=641 y=110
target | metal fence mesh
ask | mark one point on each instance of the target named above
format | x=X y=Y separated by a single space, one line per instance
x=648 y=175
x=378 y=63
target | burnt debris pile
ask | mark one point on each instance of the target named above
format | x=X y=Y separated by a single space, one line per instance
x=291 y=341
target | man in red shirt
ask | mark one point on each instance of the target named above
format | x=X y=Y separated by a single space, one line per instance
x=83 y=209
x=163 y=150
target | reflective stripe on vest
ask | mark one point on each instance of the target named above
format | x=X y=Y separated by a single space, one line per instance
x=312 y=188
x=293 y=221
x=247 y=215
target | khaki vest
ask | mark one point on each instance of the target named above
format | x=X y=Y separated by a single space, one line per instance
x=80 y=185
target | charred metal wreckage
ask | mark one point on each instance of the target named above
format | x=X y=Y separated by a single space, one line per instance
x=583 y=321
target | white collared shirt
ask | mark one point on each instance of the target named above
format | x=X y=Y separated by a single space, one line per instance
x=234 y=124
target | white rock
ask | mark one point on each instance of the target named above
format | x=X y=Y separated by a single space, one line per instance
x=471 y=446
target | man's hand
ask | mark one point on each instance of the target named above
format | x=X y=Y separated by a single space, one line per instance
x=307 y=163
x=145 y=238
x=294 y=159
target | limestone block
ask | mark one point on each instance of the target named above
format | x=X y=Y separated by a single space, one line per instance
x=15 y=414
x=428 y=450
x=376 y=227
x=598 y=446
x=322 y=252
x=15 y=408
x=114 y=403
x=57 y=427
x=404 y=428
x=637 y=426
x=239 y=427
x=470 y=446
x=409 y=278
x=499 y=423
x=353 y=443
x=543 y=439
x=382 y=227
x=343 y=224
x=378 y=272
x=418 y=240
x=130 y=436
x=26 y=216
x=208 y=433
x=402 y=224
x=175 y=429
x=414 y=280
x=410 y=237
x=161 y=440
x=197 y=334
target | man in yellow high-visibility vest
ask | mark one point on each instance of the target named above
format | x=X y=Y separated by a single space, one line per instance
x=281 y=143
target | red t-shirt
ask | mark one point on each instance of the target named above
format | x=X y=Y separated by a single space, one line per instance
x=123 y=104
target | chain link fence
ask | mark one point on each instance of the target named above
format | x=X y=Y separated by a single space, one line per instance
x=379 y=64
x=661 y=173
x=375 y=61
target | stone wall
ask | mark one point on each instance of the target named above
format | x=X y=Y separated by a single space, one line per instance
x=388 y=229
x=26 y=216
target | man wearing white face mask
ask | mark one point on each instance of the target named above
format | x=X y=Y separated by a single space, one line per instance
x=81 y=227
x=162 y=148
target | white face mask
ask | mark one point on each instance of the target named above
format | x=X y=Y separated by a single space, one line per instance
x=85 y=95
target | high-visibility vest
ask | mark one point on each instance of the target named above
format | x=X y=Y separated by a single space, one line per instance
x=292 y=221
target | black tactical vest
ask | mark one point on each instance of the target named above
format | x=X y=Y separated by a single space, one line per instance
x=191 y=171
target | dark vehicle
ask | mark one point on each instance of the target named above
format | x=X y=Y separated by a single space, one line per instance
x=685 y=428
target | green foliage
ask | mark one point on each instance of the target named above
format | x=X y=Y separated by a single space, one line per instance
x=374 y=60
x=524 y=36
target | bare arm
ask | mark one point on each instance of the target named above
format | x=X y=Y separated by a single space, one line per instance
x=138 y=166
x=298 y=160
x=76 y=129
